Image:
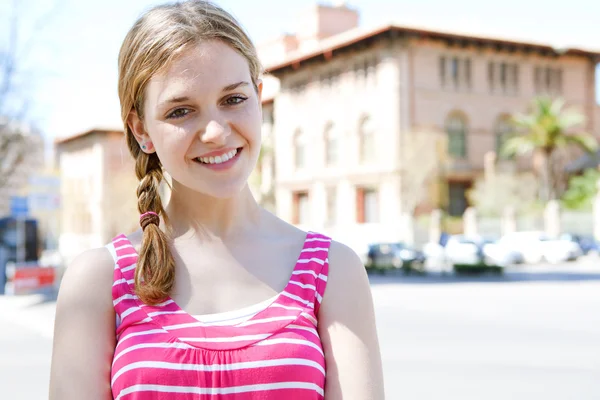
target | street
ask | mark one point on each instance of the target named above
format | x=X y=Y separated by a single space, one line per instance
x=531 y=334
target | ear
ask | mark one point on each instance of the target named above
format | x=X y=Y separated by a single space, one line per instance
x=259 y=88
x=136 y=125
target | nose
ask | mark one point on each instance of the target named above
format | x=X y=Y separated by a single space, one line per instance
x=216 y=132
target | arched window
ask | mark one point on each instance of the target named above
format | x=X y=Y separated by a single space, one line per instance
x=299 y=149
x=456 y=128
x=332 y=144
x=366 y=134
x=503 y=129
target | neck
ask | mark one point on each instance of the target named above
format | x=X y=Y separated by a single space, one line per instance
x=195 y=214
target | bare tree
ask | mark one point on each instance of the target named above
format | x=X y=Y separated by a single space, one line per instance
x=16 y=138
x=424 y=157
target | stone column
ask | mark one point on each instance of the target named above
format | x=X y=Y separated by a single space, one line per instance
x=552 y=218
x=509 y=220
x=470 y=222
x=435 y=226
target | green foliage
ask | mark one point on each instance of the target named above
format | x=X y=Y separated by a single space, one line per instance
x=548 y=129
x=582 y=190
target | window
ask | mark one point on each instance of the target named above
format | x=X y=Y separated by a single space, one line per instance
x=331 y=194
x=300 y=208
x=332 y=143
x=299 y=149
x=456 y=128
x=367 y=141
x=455 y=72
x=548 y=80
x=503 y=129
x=443 y=70
x=367 y=205
x=457 y=195
x=503 y=77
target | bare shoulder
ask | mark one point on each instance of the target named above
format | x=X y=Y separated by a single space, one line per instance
x=347 y=274
x=84 y=329
x=87 y=281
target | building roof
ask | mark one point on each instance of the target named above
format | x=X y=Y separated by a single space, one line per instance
x=66 y=139
x=360 y=37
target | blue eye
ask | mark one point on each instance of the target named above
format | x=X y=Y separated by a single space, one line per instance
x=178 y=113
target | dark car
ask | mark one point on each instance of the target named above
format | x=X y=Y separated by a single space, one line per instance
x=384 y=256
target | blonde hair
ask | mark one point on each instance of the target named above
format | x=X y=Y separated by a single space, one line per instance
x=155 y=40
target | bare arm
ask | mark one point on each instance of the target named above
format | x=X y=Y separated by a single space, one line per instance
x=84 y=330
x=348 y=333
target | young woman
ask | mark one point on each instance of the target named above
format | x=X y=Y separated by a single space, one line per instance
x=149 y=316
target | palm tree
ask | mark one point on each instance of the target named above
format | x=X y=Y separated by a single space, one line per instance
x=546 y=132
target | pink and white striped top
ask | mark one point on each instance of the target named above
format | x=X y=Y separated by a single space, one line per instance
x=165 y=353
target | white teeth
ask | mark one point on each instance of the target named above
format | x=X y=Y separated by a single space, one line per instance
x=218 y=159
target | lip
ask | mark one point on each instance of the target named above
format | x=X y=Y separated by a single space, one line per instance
x=219 y=152
x=222 y=166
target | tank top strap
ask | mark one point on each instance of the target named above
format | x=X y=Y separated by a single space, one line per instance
x=309 y=277
x=125 y=258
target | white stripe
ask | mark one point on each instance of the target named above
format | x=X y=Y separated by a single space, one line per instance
x=318 y=240
x=299 y=299
x=126 y=256
x=125 y=246
x=228 y=339
x=319 y=298
x=141 y=333
x=175 y=345
x=265 y=320
x=126 y=269
x=303 y=328
x=154 y=314
x=310 y=318
x=125 y=296
x=218 y=367
x=313 y=249
x=120 y=240
x=303 y=286
x=164 y=303
x=129 y=311
x=313 y=273
x=120 y=281
x=314 y=259
x=215 y=391
x=143 y=321
x=302 y=342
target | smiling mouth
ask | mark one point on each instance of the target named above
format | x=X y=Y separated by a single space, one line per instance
x=219 y=159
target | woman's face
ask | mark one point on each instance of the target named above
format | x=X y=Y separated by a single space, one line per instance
x=203 y=118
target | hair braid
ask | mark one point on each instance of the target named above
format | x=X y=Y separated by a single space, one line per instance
x=155 y=271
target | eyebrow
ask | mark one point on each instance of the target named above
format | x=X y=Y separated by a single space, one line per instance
x=180 y=99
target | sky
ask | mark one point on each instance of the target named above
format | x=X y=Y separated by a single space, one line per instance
x=70 y=73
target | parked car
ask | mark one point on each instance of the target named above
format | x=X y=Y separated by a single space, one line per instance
x=382 y=256
x=478 y=253
x=587 y=243
x=537 y=246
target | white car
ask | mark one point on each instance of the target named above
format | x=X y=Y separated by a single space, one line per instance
x=477 y=250
x=536 y=246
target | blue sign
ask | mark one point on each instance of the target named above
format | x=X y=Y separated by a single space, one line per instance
x=19 y=206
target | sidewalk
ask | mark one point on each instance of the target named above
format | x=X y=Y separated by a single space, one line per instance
x=34 y=312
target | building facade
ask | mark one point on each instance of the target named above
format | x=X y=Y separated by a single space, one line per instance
x=359 y=115
x=98 y=190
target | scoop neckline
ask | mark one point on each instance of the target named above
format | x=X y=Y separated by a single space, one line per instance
x=223 y=330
